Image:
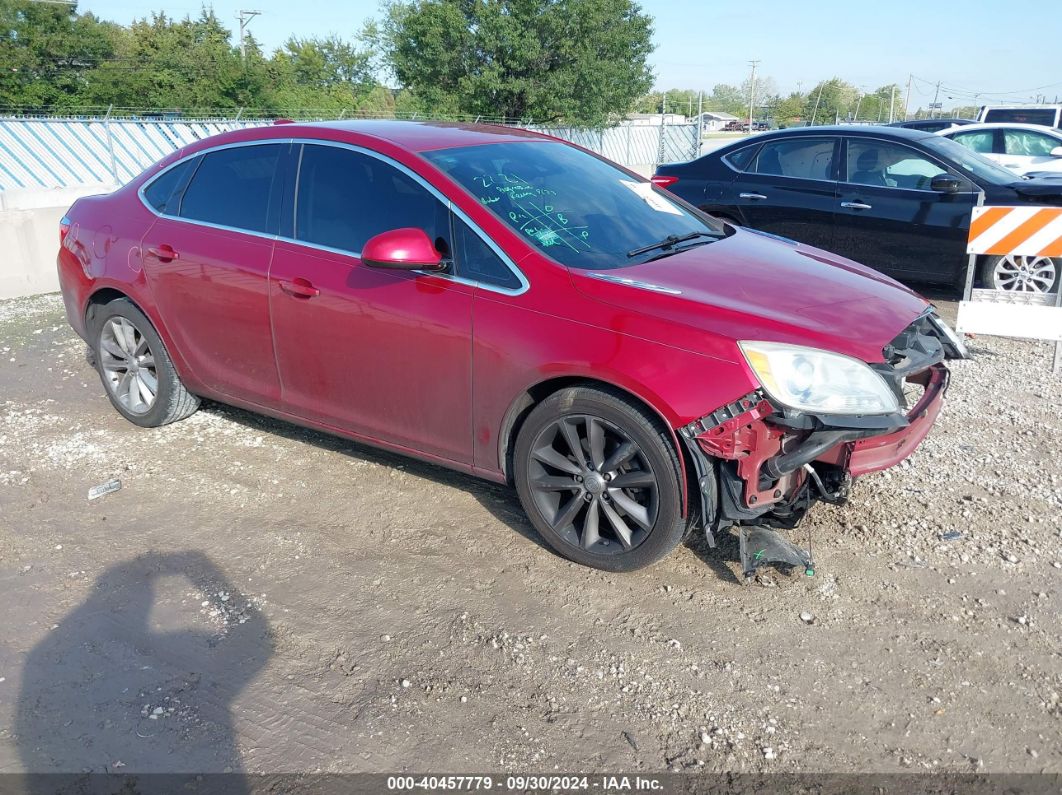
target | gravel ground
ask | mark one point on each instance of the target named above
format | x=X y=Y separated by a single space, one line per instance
x=261 y=598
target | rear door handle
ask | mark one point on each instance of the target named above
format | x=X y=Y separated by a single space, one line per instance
x=756 y=196
x=163 y=253
x=856 y=206
x=300 y=288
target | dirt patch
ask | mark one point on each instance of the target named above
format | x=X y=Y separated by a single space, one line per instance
x=293 y=602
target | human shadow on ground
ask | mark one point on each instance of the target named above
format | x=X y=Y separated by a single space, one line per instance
x=140 y=679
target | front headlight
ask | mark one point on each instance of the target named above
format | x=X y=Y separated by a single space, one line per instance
x=818 y=382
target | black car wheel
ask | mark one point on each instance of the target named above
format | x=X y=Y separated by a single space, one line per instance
x=136 y=369
x=599 y=480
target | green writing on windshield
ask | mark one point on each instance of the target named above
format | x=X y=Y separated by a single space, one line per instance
x=534 y=210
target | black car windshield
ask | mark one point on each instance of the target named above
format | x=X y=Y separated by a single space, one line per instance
x=969 y=161
x=576 y=208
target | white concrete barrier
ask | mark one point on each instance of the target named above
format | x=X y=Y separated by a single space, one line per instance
x=29 y=242
x=29 y=237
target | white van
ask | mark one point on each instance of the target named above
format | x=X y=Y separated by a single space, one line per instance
x=1045 y=115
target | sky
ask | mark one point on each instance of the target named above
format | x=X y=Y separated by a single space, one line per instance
x=978 y=52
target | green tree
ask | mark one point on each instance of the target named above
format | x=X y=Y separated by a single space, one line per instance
x=831 y=100
x=728 y=99
x=580 y=61
x=46 y=52
x=162 y=63
x=326 y=75
x=875 y=106
x=790 y=110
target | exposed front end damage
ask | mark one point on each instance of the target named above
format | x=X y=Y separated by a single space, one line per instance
x=774 y=462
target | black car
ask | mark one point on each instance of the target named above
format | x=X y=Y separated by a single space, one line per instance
x=931 y=125
x=897 y=200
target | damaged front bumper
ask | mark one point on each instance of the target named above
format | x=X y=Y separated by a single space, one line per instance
x=774 y=462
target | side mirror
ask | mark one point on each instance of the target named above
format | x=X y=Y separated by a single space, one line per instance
x=407 y=249
x=945 y=183
x=1056 y=152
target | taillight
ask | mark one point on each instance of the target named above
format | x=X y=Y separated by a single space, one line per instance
x=64 y=227
x=664 y=181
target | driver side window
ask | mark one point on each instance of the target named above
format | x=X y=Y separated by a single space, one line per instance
x=344 y=197
x=889 y=165
x=478 y=262
x=976 y=141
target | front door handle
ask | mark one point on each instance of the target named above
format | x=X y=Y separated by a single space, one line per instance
x=756 y=196
x=163 y=253
x=856 y=206
x=300 y=288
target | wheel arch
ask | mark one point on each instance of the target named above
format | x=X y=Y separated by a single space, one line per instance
x=523 y=404
x=104 y=294
x=102 y=297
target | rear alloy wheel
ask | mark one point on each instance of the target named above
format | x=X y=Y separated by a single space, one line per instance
x=136 y=369
x=1021 y=274
x=599 y=480
x=128 y=366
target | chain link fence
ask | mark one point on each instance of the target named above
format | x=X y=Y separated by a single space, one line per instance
x=635 y=144
x=51 y=152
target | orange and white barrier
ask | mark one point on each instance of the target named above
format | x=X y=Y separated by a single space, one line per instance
x=1026 y=231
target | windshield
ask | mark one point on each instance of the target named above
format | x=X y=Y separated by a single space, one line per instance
x=971 y=162
x=576 y=208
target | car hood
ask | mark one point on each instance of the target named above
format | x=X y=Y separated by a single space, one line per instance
x=1043 y=186
x=753 y=286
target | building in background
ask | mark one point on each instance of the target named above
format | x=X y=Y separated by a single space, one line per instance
x=714 y=121
x=654 y=119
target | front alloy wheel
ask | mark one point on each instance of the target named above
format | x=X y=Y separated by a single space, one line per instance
x=1023 y=274
x=599 y=478
x=593 y=484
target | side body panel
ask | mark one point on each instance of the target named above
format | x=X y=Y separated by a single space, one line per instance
x=214 y=295
x=526 y=340
x=384 y=354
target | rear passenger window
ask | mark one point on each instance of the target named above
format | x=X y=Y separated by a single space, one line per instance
x=162 y=191
x=478 y=262
x=803 y=158
x=1028 y=143
x=232 y=188
x=741 y=158
x=345 y=197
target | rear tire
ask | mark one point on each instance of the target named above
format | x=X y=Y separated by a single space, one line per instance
x=135 y=367
x=600 y=480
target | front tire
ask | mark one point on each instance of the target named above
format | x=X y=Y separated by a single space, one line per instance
x=599 y=480
x=136 y=369
x=1021 y=274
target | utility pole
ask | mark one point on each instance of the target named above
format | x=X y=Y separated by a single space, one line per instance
x=752 y=90
x=892 y=103
x=245 y=18
x=936 y=96
x=815 y=112
x=907 y=102
x=700 y=114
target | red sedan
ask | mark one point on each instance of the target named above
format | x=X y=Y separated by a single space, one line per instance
x=511 y=306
